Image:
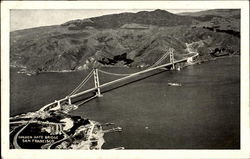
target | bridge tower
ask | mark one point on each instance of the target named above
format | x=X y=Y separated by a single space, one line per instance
x=97 y=83
x=58 y=103
x=171 y=54
x=69 y=100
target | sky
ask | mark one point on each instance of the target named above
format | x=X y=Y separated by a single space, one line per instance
x=30 y=18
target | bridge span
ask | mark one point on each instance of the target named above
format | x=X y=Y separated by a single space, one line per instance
x=97 y=89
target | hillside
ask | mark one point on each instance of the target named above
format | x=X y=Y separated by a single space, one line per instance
x=226 y=13
x=157 y=17
x=220 y=19
x=126 y=39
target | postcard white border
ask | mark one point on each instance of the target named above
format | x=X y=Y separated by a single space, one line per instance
x=124 y=154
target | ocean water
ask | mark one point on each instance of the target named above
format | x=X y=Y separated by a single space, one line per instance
x=204 y=113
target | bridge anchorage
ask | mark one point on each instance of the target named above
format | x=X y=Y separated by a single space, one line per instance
x=97 y=88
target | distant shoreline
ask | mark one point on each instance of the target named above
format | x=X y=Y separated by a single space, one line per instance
x=22 y=70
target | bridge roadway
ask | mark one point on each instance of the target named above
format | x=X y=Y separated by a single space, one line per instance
x=115 y=81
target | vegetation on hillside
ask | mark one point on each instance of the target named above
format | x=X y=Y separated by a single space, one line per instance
x=126 y=39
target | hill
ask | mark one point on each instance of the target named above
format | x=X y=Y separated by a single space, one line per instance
x=226 y=13
x=126 y=39
x=157 y=17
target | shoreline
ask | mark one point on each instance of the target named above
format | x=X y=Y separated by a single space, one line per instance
x=31 y=73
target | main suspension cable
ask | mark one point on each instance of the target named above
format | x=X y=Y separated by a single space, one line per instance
x=160 y=60
x=155 y=64
x=115 y=74
x=82 y=83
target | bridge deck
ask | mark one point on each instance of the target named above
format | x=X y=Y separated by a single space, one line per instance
x=113 y=82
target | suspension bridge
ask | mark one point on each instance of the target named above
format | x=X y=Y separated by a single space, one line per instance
x=68 y=100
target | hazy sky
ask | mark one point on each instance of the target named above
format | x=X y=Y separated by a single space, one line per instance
x=29 y=18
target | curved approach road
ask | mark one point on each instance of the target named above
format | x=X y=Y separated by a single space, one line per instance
x=16 y=135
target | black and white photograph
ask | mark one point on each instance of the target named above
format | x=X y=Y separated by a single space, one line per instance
x=121 y=78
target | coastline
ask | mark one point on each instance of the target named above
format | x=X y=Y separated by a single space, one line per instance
x=199 y=60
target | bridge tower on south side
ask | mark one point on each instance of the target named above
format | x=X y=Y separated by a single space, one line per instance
x=97 y=82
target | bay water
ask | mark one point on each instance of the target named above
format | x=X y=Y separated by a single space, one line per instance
x=204 y=113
